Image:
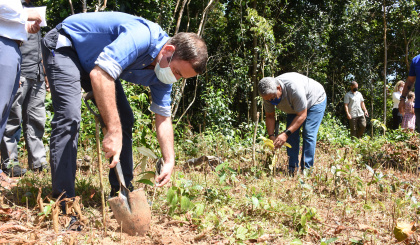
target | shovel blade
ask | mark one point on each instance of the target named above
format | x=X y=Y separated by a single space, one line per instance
x=135 y=217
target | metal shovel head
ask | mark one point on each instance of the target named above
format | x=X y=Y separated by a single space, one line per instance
x=135 y=217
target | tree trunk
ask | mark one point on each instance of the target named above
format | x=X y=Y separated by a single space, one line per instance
x=173 y=16
x=84 y=6
x=71 y=6
x=200 y=30
x=385 y=61
x=181 y=12
x=254 y=74
x=203 y=18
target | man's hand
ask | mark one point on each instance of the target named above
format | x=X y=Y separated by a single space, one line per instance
x=280 y=140
x=112 y=145
x=33 y=28
x=33 y=16
x=366 y=114
x=47 y=85
x=104 y=92
x=165 y=137
x=165 y=174
x=348 y=116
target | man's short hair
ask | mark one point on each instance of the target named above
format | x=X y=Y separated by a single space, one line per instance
x=192 y=48
x=354 y=83
x=267 y=85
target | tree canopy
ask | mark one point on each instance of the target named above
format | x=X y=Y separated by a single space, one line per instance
x=333 y=42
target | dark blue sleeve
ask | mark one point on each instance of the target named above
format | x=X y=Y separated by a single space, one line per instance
x=414 y=64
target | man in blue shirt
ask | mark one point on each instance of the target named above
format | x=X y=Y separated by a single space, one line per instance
x=92 y=51
x=413 y=77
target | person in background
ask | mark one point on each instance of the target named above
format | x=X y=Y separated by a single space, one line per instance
x=356 y=112
x=396 y=115
x=304 y=100
x=409 y=119
x=14 y=28
x=411 y=80
x=28 y=105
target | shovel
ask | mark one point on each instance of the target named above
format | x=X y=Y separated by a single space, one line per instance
x=131 y=209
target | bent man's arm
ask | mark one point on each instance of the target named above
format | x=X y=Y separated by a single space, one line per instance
x=270 y=122
x=165 y=137
x=407 y=88
x=294 y=125
x=104 y=92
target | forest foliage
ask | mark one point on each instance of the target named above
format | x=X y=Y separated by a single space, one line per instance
x=333 y=42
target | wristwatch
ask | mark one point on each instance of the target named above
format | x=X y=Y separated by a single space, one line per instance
x=287 y=132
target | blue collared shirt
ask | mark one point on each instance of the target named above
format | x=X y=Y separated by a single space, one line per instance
x=122 y=45
x=415 y=72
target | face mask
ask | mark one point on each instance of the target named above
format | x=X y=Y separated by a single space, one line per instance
x=165 y=75
x=355 y=89
x=275 y=101
x=401 y=89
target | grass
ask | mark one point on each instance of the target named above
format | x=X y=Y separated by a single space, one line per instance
x=348 y=198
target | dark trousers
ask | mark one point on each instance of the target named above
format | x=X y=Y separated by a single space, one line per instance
x=357 y=126
x=396 y=118
x=417 y=113
x=67 y=77
x=10 y=58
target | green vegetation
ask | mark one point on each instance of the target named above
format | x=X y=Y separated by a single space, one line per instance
x=356 y=194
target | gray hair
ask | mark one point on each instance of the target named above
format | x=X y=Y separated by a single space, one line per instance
x=267 y=85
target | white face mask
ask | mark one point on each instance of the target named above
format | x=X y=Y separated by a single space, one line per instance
x=165 y=75
x=401 y=89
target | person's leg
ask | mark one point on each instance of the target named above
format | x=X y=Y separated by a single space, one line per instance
x=361 y=126
x=395 y=118
x=310 y=133
x=353 y=127
x=293 y=140
x=10 y=59
x=64 y=73
x=34 y=118
x=126 y=157
x=9 y=148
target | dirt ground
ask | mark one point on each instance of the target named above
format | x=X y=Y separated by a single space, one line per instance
x=16 y=227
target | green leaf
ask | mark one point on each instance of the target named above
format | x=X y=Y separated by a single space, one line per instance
x=296 y=241
x=146 y=181
x=199 y=209
x=146 y=152
x=255 y=202
x=367 y=207
x=47 y=210
x=219 y=167
x=331 y=240
x=170 y=195
x=143 y=163
x=370 y=169
x=185 y=203
x=241 y=233
x=148 y=175
x=303 y=220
